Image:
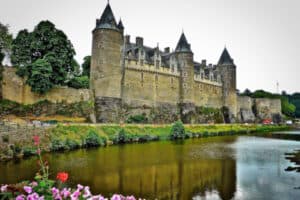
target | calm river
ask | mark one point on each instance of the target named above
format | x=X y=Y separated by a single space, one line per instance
x=229 y=167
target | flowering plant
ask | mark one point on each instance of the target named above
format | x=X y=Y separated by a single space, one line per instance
x=44 y=188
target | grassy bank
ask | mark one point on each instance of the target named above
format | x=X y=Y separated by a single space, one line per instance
x=116 y=134
x=68 y=137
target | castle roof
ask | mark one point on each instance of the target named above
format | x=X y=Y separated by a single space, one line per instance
x=107 y=20
x=225 y=58
x=120 y=25
x=183 y=45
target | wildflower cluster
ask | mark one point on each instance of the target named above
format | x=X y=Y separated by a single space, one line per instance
x=44 y=188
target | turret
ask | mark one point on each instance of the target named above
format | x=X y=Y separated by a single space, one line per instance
x=184 y=57
x=228 y=76
x=106 y=71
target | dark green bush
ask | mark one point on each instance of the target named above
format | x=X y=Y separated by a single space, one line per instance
x=72 y=144
x=5 y=138
x=139 y=119
x=177 y=131
x=79 y=82
x=57 y=145
x=93 y=140
x=120 y=138
x=29 y=151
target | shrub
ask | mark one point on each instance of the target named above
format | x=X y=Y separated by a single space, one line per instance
x=29 y=151
x=5 y=138
x=137 y=119
x=71 y=144
x=93 y=140
x=177 y=131
x=57 y=145
x=121 y=137
x=79 y=82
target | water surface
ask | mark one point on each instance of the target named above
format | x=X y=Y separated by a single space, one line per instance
x=229 y=167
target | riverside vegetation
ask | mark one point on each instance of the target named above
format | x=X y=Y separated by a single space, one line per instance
x=69 y=137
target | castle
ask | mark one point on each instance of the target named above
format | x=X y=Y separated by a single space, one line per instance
x=131 y=79
x=133 y=74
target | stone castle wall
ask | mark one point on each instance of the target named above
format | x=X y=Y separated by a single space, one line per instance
x=251 y=110
x=15 y=89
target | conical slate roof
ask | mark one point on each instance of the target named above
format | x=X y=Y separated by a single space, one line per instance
x=120 y=25
x=107 y=19
x=183 y=45
x=225 y=58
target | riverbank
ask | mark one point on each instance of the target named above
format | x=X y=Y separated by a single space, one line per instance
x=17 y=143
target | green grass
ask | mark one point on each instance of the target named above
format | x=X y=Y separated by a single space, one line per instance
x=78 y=132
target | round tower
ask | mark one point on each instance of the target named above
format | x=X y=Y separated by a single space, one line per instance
x=106 y=71
x=228 y=73
x=185 y=59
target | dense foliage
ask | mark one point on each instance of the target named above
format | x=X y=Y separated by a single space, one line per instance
x=137 y=119
x=287 y=106
x=79 y=82
x=40 y=77
x=177 y=131
x=5 y=41
x=295 y=99
x=48 y=43
x=86 y=66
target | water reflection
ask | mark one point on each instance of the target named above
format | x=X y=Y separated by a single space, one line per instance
x=213 y=168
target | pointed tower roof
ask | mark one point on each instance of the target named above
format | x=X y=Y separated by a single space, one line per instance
x=183 y=45
x=107 y=20
x=225 y=58
x=120 y=25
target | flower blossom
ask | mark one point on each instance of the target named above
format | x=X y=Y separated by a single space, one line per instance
x=4 y=188
x=36 y=140
x=87 y=192
x=28 y=189
x=20 y=197
x=65 y=193
x=62 y=176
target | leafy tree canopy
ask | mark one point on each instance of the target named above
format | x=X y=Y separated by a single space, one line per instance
x=86 y=66
x=5 y=40
x=45 y=43
x=41 y=72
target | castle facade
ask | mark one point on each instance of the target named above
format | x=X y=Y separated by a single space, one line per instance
x=127 y=74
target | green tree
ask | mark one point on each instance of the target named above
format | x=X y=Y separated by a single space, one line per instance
x=40 y=76
x=86 y=66
x=48 y=43
x=5 y=41
x=177 y=131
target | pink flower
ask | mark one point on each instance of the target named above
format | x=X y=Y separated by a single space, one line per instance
x=65 y=193
x=130 y=198
x=28 y=189
x=36 y=140
x=116 y=197
x=54 y=191
x=87 y=192
x=79 y=187
x=38 y=151
x=75 y=195
x=34 y=184
x=98 y=197
x=20 y=197
x=4 y=188
x=33 y=196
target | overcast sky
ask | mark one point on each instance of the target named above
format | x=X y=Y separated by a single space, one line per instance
x=262 y=36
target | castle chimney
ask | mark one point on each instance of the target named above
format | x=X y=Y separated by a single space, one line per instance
x=167 y=50
x=127 y=39
x=203 y=62
x=139 y=41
